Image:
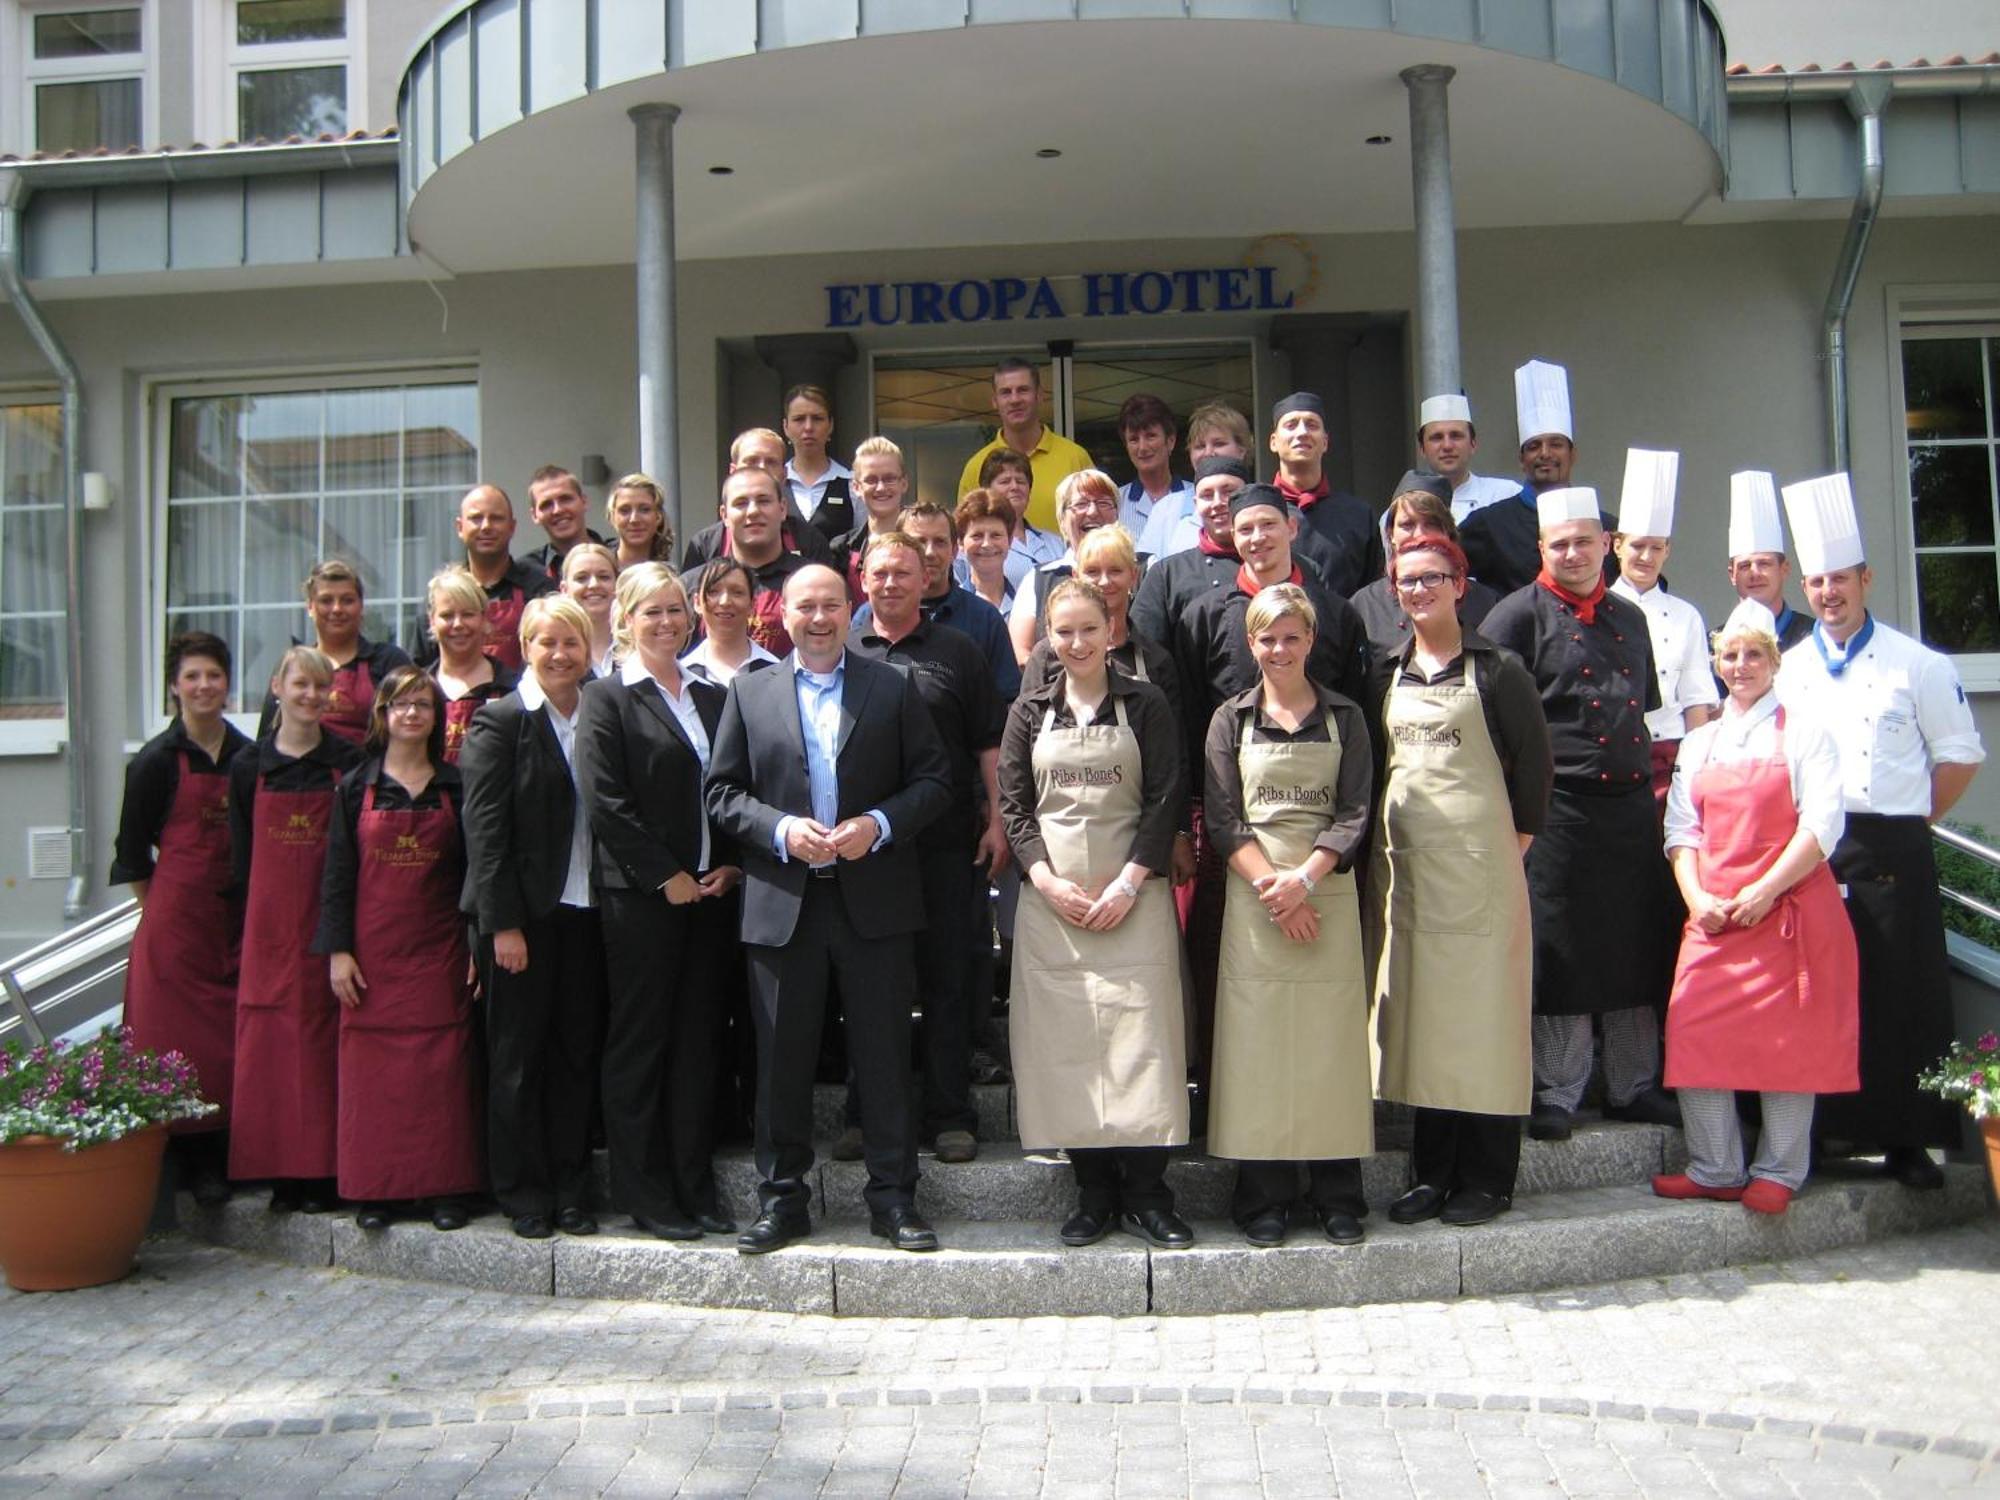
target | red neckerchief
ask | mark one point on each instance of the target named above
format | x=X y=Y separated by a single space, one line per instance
x=1585 y=605
x=1303 y=499
x=1247 y=582
x=1213 y=548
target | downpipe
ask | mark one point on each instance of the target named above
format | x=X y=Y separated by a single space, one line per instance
x=1867 y=101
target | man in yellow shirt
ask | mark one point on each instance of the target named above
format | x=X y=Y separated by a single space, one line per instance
x=1017 y=399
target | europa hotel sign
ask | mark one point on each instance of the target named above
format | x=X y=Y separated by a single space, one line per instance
x=1095 y=294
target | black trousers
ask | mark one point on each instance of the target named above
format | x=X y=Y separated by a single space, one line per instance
x=544 y=1026
x=669 y=971
x=1111 y=1179
x=942 y=992
x=1331 y=1186
x=1451 y=1149
x=788 y=987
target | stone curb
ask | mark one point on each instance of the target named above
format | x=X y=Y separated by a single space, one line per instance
x=735 y=1407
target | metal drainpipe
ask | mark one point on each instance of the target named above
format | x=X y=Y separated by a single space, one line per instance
x=1867 y=100
x=76 y=753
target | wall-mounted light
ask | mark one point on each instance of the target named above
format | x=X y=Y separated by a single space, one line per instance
x=1378 y=140
x=1048 y=153
x=719 y=171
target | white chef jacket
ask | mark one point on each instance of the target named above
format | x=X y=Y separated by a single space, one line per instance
x=1811 y=758
x=1680 y=657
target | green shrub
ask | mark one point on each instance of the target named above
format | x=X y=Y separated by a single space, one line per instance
x=1959 y=871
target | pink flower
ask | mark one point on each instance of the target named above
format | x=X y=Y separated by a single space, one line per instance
x=1989 y=1043
x=1977 y=1080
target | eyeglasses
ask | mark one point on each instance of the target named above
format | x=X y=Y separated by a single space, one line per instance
x=1423 y=583
x=411 y=706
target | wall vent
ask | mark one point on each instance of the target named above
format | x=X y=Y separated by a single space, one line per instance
x=48 y=854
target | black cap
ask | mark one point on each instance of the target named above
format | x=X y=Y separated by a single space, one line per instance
x=1253 y=495
x=1429 y=484
x=1222 y=463
x=1298 y=401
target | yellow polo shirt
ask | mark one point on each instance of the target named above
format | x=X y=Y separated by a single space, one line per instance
x=1055 y=458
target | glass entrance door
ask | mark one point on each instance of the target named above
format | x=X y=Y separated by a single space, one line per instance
x=939 y=409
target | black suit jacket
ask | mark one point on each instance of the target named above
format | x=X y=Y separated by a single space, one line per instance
x=520 y=804
x=888 y=756
x=641 y=781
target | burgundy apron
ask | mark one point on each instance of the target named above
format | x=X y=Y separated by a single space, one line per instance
x=503 y=627
x=180 y=989
x=348 y=700
x=1776 y=1006
x=287 y=1023
x=408 y=1115
x=458 y=714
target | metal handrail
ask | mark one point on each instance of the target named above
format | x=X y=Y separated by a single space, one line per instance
x=1971 y=847
x=45 y=962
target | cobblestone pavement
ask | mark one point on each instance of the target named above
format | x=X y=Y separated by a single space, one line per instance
x=1868 y=1372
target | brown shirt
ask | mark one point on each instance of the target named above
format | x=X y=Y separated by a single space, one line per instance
x=1333 y=717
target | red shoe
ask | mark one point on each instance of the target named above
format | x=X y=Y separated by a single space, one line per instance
x=1680 y=1185
x=1766 y=1196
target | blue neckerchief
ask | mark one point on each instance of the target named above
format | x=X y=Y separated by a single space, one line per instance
x=1855 y=645
x=1786 y=614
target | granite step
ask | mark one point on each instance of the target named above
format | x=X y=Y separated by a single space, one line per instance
x=1009 y=1183
x=1568 y=1237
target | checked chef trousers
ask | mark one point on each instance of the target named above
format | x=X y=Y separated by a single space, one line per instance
x=1631 y=1056
x=1715 y=1138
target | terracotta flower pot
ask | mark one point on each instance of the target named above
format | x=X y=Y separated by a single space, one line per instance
x=1990 y=1129
x=74 y=1219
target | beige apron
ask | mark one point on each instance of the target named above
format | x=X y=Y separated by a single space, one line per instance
x=1291 y=1019
x=1097 y=1029
x=1449 y=910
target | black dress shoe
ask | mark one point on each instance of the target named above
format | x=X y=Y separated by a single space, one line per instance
x=904 y=1228
x=284 y=1197
x=1161 y=1227
x=372 y=1216
x=773 y=1231
x=533 y=1226
x=1550 y=1122
x=668 y=1229
x=210 y=1188
x=1342 y=1227
x=1420 y=1203
x=715 y=1223
x=576 y=1221
x=1475 y=1206
x=318 y=1197
x=1267 y=1229
x=1086 y=1227
x=449 y=1216
x=1654 y=1107
x=1912 y=1166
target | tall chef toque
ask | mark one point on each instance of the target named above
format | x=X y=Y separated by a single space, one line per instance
x=1755 y=523
x=1646 y=501
x=1541 y=401
x=1825 y=529
x=1553 y=507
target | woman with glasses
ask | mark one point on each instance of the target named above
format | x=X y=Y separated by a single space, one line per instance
x=1463 y=773
x=1422 y=503
x=1085 y=501
x=408 y=1123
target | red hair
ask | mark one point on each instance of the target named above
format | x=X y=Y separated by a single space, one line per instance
x=1428 y=541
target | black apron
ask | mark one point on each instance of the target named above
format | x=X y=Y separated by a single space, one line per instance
x=1597 y=883
x=1906 y=1017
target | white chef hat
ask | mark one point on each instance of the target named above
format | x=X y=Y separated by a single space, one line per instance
x=1750 y=617
x=1553 y=507
x=1541 y=400
x=1646 y=502
x=1755 y=523
x=1825 y=529
x=1444 y=409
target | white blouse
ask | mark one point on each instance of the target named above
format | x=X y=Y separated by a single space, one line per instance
x=1736 y=735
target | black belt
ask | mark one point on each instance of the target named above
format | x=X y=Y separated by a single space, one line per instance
x=823 y=872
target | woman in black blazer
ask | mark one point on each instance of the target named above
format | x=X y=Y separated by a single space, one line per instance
x=540 y=951
x=668 y=882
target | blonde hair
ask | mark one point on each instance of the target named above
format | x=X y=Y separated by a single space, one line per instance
x=736 y=444
x=1073 y=587
x=589 y=549
x=636 y=585
x=644 y=484
x=1220 y=417
x=315 y=663
x=454 y=586
x=1110 y=545
x=1763 y=639
x=1083 y=479
x=1281 y=601
x=880 y=447
x=559 y=608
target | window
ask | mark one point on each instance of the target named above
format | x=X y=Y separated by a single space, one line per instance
x=84 y=77
x=1949 y=381
x=289 y=61
x=263 y=483
x=32 y=589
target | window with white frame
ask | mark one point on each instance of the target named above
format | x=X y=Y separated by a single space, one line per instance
x=289 y=67
x=82 y=76
x=1950 y=375
x=31 y=561
x=262 y=482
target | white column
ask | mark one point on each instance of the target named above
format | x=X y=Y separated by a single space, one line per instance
x=1437 y=251
x=659 y=396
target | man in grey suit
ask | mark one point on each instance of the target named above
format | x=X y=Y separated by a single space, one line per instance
x=824 y=772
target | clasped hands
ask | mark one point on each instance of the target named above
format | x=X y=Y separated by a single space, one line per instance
x=1094 y=911
x=1746 y=908
x=1288 y=904
x=816 y=844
